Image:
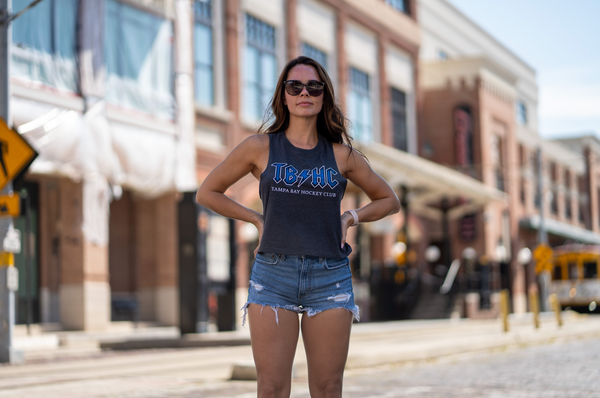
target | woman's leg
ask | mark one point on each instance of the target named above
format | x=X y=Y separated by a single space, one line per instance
x=273 y=348
x=326 y=337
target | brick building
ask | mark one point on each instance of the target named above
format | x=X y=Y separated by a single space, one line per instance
x=469 y=77
x=99 y=91
x=133 y=110
x=371 y=50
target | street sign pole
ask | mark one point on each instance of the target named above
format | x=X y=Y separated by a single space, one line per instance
x=8 y=272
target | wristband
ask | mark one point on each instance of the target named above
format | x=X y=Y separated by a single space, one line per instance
x=354 y=217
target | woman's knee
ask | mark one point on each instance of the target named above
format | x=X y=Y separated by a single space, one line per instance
x=329 y=388
x=270 y=389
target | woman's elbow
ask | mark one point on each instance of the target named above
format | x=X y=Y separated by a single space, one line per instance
x=395 y=205
x=201 y=197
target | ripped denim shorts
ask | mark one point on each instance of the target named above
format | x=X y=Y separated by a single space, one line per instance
x=301 y=284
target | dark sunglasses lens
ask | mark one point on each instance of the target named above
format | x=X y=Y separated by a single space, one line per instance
x=294 y=88
x=314 y=89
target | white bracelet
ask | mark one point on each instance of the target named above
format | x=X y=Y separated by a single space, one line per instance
x=354 y=216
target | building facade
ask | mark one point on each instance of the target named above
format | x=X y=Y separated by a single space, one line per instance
x=131 y=110
x=100 y=91
x=479 y=116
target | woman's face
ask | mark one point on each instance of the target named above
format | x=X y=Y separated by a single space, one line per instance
x=303 y=105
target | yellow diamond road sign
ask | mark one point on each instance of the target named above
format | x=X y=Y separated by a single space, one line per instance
x=10 y=205
x=15 y=154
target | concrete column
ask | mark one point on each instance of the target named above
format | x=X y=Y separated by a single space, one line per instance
x=156 y=259
x=84 y=290
x=341 y=59
x=167 y=282
x=293 y=45
x=49 y=244
x=387 y=136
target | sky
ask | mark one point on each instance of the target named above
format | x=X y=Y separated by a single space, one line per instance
x=560 y=39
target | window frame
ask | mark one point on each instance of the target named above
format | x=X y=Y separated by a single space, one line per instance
x=402 y=6
x=521 y=113
x=363 y=90
x=208 y=22
x=309 y=50
x=399 y=109
x=54 y=47
x=263 y=46
x=169 y=114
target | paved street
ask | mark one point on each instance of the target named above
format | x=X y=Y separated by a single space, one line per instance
x=562 y=369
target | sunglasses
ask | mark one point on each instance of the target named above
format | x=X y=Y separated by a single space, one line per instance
x=295 y=87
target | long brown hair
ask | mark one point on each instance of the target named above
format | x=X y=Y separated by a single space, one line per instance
x=331 y=122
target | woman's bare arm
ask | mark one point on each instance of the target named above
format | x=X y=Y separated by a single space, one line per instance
x=383 y=199
x=244 y=159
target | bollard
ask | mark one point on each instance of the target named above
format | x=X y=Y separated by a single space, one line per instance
x=504 y=308
x=535 y=308
x=555 y=304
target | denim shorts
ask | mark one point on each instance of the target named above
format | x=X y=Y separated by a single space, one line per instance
x=301 y=284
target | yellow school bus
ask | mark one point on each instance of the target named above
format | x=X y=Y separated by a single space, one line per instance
x=575 y=275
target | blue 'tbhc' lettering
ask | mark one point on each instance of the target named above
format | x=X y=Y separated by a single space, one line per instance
x=320 y=176
x=291 y=175
x=278 y=167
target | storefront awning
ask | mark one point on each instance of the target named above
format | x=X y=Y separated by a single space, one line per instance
x=558 y=228
x=430 y=182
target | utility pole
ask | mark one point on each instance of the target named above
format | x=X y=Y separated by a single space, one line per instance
x=8 y=272
x=544 y=277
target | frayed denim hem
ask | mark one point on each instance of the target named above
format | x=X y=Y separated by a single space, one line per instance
x=309 y=311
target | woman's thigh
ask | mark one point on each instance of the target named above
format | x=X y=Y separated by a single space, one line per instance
x=326 y=339
x=273 y=346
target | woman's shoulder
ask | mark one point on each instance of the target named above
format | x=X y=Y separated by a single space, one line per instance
x=343 y=149
x=256 y=142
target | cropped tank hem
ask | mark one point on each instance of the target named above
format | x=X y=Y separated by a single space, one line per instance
x=288 y=252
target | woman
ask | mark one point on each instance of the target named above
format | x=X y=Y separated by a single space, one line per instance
x=303 y=163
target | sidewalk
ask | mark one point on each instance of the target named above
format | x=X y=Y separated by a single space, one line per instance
x=371 y=343
x=136 y=373
x=117 y=372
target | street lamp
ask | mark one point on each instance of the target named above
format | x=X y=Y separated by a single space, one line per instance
x=469 y=253
x=432 y=254
x=501 y=253
x=524 y=256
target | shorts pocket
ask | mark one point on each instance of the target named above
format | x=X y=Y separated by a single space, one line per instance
x=267 y=258
x=334 y=263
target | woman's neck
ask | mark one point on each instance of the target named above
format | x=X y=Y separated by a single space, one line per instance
x=302 y=132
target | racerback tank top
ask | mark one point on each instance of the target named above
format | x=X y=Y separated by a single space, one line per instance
x=301 y=191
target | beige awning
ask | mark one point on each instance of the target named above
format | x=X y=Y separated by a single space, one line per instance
x=430 y=182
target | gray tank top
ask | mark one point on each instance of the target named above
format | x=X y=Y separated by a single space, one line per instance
x=301 y=191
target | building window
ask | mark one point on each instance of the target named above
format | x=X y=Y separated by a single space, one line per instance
x=260 y=67
x=498 y=161
x=315 y=53
x=399 y=120
x=45 y=43
x=554 y=182
x=400 y=5
x=523 y=192
x=138 y=48
x=582 y=208
x=360 y=110
x=567 y=185
x=521 y=113
x=203 y=53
